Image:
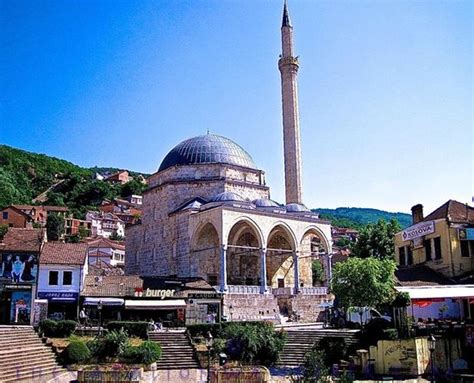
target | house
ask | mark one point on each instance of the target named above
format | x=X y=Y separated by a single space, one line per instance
x=105 y=224
x=136 y=200
x=128 y=212
x=72 y=226
x=63 y=267
x=443 y=240
x=106 y=251
x=435 y=259
x=19 y=253
x=31 y=214
x=120 y=177
x=14 y=217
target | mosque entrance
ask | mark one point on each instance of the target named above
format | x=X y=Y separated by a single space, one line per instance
x=243 y=256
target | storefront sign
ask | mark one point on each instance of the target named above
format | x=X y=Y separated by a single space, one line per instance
x=149 y=293
x=57 y=295
x=204 y=295
x=18 y=287
x=418 y=230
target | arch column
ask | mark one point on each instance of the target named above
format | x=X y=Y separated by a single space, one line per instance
x=263 y=271
x=223 y=278
x=296 y=271
x=329 y=276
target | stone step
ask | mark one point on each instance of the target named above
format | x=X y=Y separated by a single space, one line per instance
x=9 y=360
x=16 y=343
x=28 y=371
x=43 y=376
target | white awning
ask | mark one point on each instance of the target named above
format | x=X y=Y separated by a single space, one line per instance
x=427 y=292
x=89 y=301
x=135 y=304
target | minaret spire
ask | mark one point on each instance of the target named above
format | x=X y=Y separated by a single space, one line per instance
x=286 y=17
x=288 y=65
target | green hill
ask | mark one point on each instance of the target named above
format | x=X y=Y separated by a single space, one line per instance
x=355 y=217
x=25 y=175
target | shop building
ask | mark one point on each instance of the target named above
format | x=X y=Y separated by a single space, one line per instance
x=19 y=254
x=171 y=301
x=63 y=267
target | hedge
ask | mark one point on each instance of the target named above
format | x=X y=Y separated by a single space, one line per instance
x=57 y=329
x=148 y=352
x=138 y=329
x=76 y=352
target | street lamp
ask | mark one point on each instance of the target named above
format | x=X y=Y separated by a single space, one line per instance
x=99 y=308
x=209 y=342
x=432 y=347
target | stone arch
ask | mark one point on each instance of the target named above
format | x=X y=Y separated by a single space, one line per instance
x=244 y=243
x=313 y=244
x=205 y=253
x=281 y=247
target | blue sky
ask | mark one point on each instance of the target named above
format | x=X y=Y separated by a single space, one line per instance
x=385 y=89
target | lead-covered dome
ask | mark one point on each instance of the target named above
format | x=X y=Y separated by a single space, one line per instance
x=207 y=149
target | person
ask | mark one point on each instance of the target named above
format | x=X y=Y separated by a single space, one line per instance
x=152 y=326
x=82 y=317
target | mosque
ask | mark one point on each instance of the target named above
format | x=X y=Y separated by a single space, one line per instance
x=208 y=214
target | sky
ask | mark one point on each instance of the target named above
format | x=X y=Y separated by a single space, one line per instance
x=385 y=89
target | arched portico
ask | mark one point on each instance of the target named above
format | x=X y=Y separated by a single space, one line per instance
x=315 y=246
x=205 y=254
x=244 y=244
x=281 y=258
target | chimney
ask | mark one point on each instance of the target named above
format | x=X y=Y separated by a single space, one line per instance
x=417 y=213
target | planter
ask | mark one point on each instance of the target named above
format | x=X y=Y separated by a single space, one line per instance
x=102 y=375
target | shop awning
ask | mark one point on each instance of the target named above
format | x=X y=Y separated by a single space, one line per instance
x=430 y=292
x=89 y=301
x=135 y=304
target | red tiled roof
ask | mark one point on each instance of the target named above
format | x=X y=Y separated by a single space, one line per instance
x=19 y=211
x=105 y=243
x=20 y=239
x=110 y=285
x=55 y=208
x=454 y=211
x=64 y=253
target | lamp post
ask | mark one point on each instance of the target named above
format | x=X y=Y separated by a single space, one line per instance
x=432 y=347
x=209 y=341
x=99 y=308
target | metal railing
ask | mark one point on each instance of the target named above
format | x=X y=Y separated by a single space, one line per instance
x=243 y=289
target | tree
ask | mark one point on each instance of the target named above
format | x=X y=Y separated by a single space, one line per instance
x=135 y=187
x=3 y=231
x=365 y=282
x=376 y=240
x=54 y=226
x=318 y=272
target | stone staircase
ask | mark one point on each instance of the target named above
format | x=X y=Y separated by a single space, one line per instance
x=299 y=342
x=24 y=357
x=176 y=350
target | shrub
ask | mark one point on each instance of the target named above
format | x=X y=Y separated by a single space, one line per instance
x=76 y=352
x=111 y=345
x=148 y=352
x=254 y=341
x=138 y=329
x=390 y=333
x=202 y=329
x=333 y=349
x=314 y=368
x=58 y=329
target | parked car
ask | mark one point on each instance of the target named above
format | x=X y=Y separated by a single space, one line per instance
x=353 y=314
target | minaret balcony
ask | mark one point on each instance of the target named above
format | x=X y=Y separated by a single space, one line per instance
x=288 y=61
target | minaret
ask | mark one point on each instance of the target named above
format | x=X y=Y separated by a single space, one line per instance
x=288 y=65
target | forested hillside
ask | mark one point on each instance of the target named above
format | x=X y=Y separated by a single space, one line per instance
x=356 y=217
x=24 y=175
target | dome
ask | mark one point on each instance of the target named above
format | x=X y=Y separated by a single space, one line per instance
x=265 y=202
x=296 y=208
x=207 y=149
x=227 y=196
